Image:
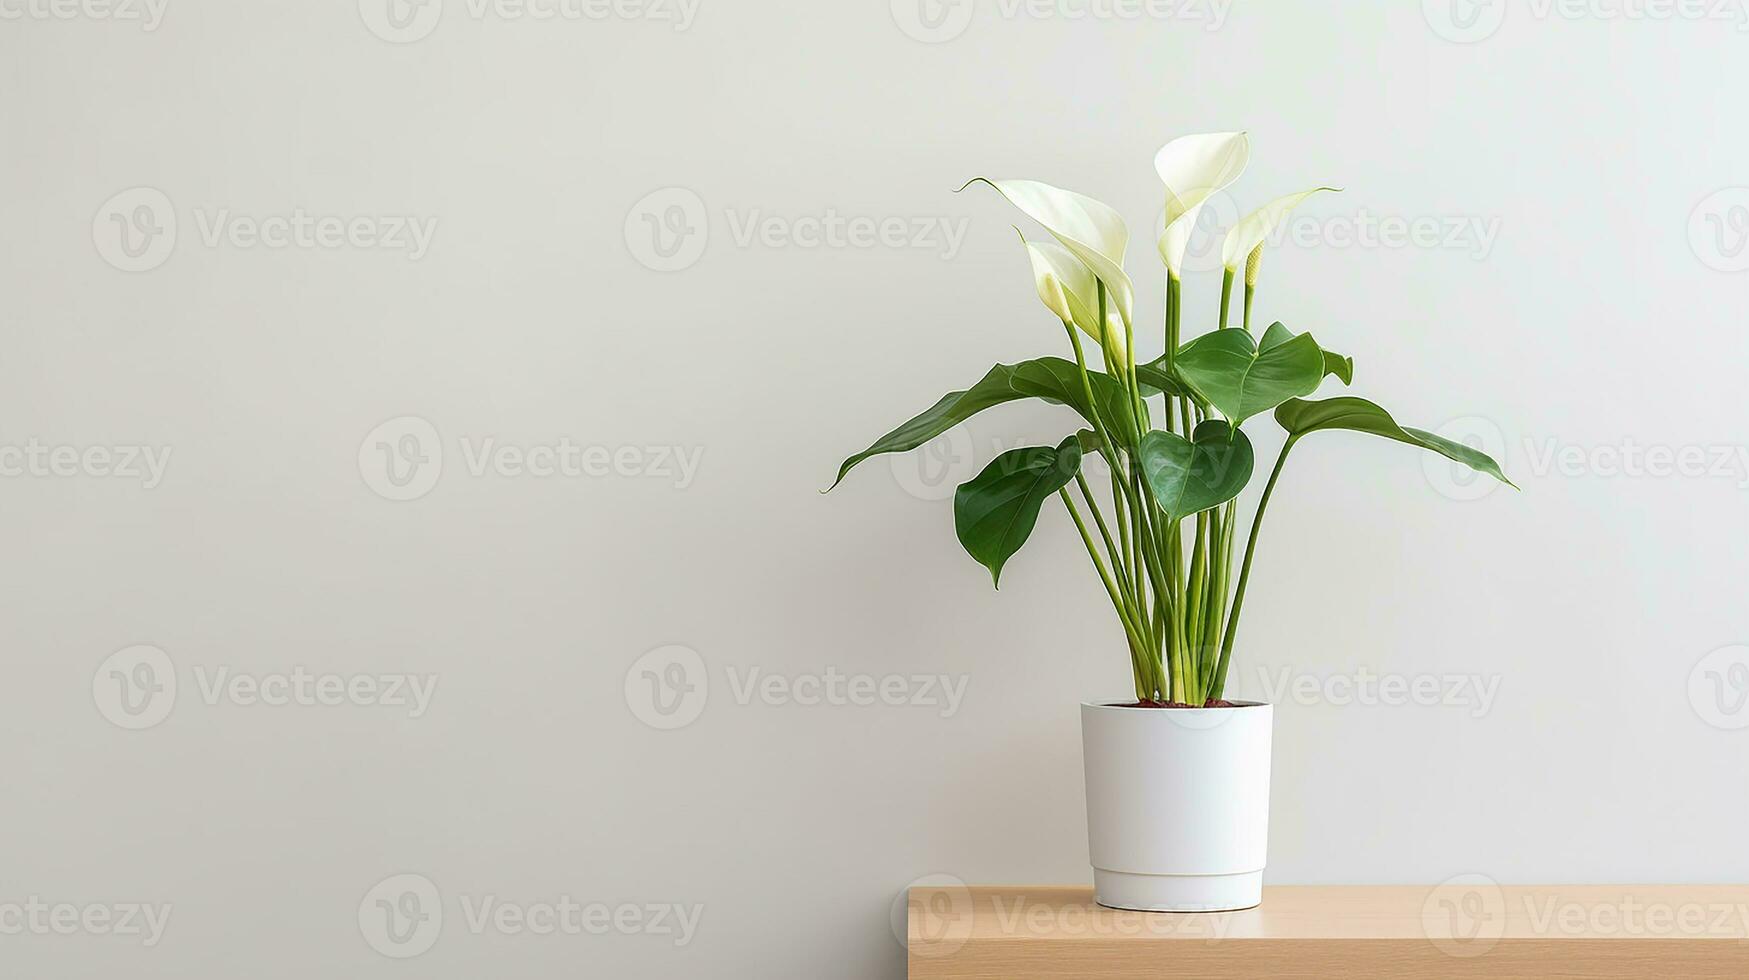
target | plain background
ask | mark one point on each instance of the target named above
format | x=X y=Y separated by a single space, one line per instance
x=1601 y=319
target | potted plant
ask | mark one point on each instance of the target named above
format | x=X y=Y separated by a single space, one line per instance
x=1177 y=779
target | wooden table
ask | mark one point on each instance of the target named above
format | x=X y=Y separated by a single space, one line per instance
x=1466 y=927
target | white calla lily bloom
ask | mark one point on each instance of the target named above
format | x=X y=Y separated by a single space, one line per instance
x=1093 y=232
x=1071 y=291
x=1249 y=235
x=1194 y=169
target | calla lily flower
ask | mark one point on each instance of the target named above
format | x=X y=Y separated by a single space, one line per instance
x=1071 y=291
x=1093 y=232
x=1195 y=168
x=1249 y=235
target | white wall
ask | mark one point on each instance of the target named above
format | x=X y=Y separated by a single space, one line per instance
x=1584 y=319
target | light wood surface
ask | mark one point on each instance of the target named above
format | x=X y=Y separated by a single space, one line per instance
x=1467 y=927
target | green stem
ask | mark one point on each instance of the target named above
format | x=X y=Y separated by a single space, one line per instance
x=1226 y=296
x=1136 y=642
x=1250 y=291
x=1245 y=569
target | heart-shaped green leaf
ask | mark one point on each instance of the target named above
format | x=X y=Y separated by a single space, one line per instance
x=1334 y=364
x=1192 y=475
x=1050 y=378
x=995 y=512
x=1359 y=415
x=1227 y=368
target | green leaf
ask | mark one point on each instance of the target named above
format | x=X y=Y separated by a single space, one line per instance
x=1156 y=376
x=1050 y=378
x=995 y=512
x=1334 y=364
x=1227 y=368
x=1359 y=415
x=1340 y=366
x=1191 y=476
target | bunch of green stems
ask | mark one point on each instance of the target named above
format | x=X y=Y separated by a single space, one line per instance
x=1169 y=582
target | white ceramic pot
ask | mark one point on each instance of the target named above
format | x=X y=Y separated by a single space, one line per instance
x=1177 y=805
